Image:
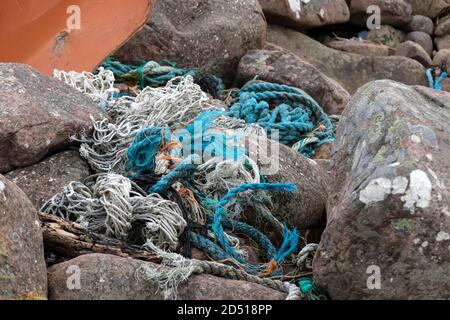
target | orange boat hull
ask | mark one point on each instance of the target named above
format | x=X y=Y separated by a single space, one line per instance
x=67 y=34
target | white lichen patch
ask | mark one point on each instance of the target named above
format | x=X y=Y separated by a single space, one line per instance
x=376 y=191
x=419 y=192
x=416 y=139
x=418 y=195
x=399 y=185
x=442 y=236
x=296 y=6
x=2 y=191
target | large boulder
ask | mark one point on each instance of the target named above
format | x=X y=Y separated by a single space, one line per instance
x=393 y=12
x=421 y=23
x=358 y=70
x=388 y=229
x=306 y=14
x=286 y=68
x=443 y=26
x=429 y=8
x=442 y=42
x=442 y=57
x=107 y=277
x=43 y=180
x=23 y=274
x=423 y=39
x=305 y=208
x=38 y=115
x=211 y=35
x=414 y=51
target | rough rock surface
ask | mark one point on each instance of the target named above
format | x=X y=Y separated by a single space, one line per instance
x=421 y=23
x=286 y=68
x=107 y=277
x=211 y=35
x=38 y=115
x=442 y=42
x=360 y=47
x=429 y=8
x=22 y=266
x=305 y=208
x=386 y=35
x=393 y=12
x=414 y=51
x=445 y=83
x=443 y=26
x=358 y=70
x=305 y=15
x=43 y=180
x=423 y=39
x=388 y=213
x=442 y=57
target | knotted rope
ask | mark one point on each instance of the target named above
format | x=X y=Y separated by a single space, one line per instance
x=107 y=204
x=286 y=113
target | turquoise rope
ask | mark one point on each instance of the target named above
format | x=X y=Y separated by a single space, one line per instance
x=435 y=83
x=290 y=243
x=294 y=116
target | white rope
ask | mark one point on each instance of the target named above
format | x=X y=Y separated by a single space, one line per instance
x=165 y=278
x=304 y=258
x=173 y=106
x=99 y=87
x=225 y=122
x=108 y=205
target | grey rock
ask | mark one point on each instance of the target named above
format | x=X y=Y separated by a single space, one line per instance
x=443 y=26
x=389 y=205
x=421 y=38
x=306 y=15
x=429 y=8
x=42 y=181
x=286 y=68
x=23 y=274
x=211 y=35
x=358 y=70
x=393 y=12
x=414 y=51
x=442 y=42
x=421 y=23
x=107 y=277
x=38 y=115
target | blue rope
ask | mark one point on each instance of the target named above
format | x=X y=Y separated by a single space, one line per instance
x=435 y=83
x=157 y=74
x=185 y=170
x=309 y=288
x=289 y=244
x=294 y=115
x=141 y=154
x=209 y=142
x=240 y=227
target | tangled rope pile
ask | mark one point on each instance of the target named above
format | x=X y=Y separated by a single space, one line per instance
x=107 y=204
x=170 y=171
x=173 y=106
x=286 y=113
x=154 y=74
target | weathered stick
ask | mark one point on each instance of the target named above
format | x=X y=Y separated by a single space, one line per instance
x=71 y=240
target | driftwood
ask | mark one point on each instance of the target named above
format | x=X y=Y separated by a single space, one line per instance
x=70 y=240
